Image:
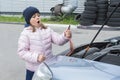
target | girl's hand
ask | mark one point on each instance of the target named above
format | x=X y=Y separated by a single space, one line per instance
x=41 y=58
x=68 y=33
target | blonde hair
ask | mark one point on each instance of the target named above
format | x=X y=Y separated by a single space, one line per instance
x=41 y=25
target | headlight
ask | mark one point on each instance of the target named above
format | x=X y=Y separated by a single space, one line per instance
x=43 y=73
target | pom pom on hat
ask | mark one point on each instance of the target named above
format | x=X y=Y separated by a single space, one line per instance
x=29 y=12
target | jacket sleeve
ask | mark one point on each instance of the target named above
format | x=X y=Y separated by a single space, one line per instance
x=24 y=49
x=58 y=39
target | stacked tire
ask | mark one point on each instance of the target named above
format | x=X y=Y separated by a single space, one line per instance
x=97 y=11
x=114 y=21
x=102 y=6
x=88 y=16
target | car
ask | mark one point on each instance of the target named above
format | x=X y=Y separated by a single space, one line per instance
x=100 y=62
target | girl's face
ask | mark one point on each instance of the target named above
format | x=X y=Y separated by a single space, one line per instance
x=35 y=20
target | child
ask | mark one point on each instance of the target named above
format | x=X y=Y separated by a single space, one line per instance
x=35 y=41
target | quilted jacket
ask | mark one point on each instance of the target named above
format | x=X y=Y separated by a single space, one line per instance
x=31 y=44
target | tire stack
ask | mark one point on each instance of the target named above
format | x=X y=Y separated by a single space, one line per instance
x=114 y=21
x=96 y=12
x=88 y=16
x=102 y=6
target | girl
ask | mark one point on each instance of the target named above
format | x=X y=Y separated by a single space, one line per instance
x=35 y=41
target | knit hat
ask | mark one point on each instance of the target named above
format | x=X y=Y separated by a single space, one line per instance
x=29 y=12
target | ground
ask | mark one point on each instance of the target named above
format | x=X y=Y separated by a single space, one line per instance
x=13 y=68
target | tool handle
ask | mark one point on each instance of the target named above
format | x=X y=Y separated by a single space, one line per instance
x=68 y=27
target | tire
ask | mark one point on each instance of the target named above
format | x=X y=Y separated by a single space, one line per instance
x=99 y=22
x=77 y=17
x=91 y=8
x=102 y=15
x=90 y=3
x=102 y=10
x=114 y=20
x=102 y=1
x=110 y=9
x=100 y=19
x=85 y=23
x=114 y=15
x=87 y=20
x=112 y=1
x=89 y=12
x=114 y=4
x=90 y=16
x=113 y=24
x=90 y=0
x=102 y=6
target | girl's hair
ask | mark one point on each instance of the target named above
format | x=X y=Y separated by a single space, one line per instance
x=41 y=25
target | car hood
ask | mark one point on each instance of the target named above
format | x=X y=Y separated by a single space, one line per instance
x=70 y=68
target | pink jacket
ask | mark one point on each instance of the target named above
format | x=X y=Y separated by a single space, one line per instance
x=31 y=44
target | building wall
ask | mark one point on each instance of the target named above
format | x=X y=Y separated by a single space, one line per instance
x=43 y=5
x=19 y=5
